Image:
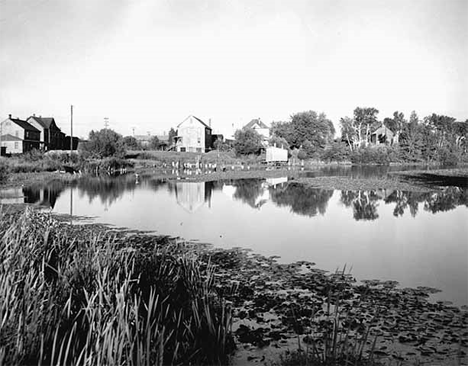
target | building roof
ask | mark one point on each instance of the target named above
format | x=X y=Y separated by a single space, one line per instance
x=198 y=119
x=383 y=130
x=9 y=137
x=43 y=121
x=254 y=122
x=24 y=125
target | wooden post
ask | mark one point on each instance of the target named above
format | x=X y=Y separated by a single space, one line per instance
x=71 y=130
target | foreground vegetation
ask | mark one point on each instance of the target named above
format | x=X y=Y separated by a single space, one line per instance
x=84 y=295
x=79 y=297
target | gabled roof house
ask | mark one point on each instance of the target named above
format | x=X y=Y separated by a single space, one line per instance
x=52 y=138
x=260 y=127
x=193 y=135
x=18 y=136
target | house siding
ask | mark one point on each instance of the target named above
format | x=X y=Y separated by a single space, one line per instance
x=193 y=136
x=26 y=137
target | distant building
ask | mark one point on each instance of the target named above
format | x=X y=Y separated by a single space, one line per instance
x=18 y=136
x=383 y=135
x=52 y=138
x=193 y=135
x=261 y=128
x=143 y=140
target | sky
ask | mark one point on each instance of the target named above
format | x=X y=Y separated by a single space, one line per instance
x=146 y=65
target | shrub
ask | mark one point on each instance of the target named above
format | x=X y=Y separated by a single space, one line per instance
x=447 y=157
x=338 y=151
x=3 y=171
x=248 y=141
x=380 y=155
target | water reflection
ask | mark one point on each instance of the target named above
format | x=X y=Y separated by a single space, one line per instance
x=302 y=200
x=192 y=195
x=255 y=193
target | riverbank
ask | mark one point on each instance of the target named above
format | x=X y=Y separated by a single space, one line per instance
x=205 y=301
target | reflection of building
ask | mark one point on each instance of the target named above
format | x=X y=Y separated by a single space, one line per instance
x=193 y=195
x=11 y=196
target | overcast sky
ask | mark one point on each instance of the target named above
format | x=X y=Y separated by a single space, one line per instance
x=149 y=64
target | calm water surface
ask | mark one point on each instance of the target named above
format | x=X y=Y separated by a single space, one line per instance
x=418 y=239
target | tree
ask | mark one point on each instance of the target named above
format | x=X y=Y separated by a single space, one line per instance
x=348 y=132
x=105 y=143
x=172 y=134
x=131 y=142
x=411 y=143
x=278 y=141
x=154 y=143
x=364 y=119
x=314 y=130
x=248 y=141
x=395 y=124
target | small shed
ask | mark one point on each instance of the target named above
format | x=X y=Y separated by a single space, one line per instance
x=276 y=154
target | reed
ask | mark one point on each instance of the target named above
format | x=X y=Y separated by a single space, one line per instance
x=77 y=296
x=333 y=337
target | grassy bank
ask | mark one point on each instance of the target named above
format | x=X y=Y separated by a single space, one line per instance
x=82 y=296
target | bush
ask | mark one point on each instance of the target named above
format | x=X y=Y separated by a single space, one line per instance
x=3 y=171
x=248 y=141
x=338 y=151
x=379 y=155
x=447 y=157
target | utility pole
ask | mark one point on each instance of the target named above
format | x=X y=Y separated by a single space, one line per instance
x=133 y=130
x=71 y=130
x=106 y=122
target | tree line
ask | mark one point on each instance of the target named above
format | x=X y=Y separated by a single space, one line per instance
x=435 y=138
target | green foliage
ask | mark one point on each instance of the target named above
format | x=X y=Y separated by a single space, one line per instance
x=131 y=143
x=380 y=155
x=154 y=143
x=248 y=141
x=222 y=146
x=105 y=143
x=73 y=296
x=278 y=141
x=338 y=151
x=3 y=170
x=172 y=134
x=447 y=157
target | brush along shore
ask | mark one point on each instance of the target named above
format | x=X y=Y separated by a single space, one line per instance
x=85 y=294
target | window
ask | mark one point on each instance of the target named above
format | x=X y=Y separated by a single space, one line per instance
x=199 y=140
x=16 y=145
x=182 y=149
x=198 y=149
x=26 y=134
x=17 y=133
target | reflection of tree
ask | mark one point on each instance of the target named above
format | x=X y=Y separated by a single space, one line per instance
x=404 y=200
x=248 y=191
x=446 y=200
x=364 y=203
x=302 y=200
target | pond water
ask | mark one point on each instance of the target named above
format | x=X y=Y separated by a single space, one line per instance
x=418 y=239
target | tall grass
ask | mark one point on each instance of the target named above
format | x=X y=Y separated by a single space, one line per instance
x=79 y=297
